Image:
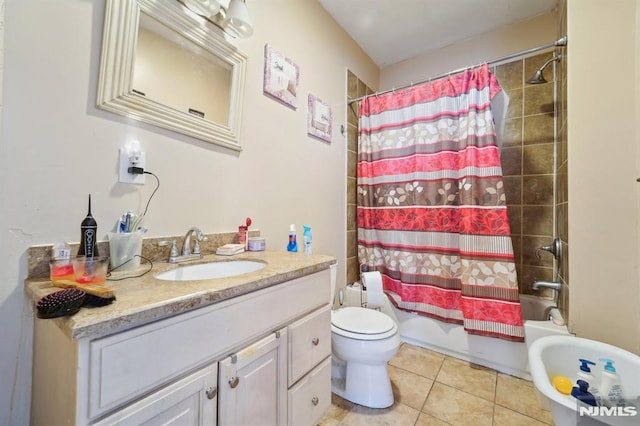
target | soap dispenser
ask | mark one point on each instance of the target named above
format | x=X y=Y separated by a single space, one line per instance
x=581 y=393
x=584 y=373
x=610 y=386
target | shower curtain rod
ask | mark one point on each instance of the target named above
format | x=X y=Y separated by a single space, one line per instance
x=560 y=42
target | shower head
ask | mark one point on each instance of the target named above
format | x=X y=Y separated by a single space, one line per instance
x=538 y=78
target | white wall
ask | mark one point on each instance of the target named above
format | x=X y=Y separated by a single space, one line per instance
x=56 y=148
x=604 y=136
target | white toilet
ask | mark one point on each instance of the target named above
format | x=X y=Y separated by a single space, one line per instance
x=363 y=341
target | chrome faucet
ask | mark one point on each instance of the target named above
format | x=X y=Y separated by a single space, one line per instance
x=554 y=285
x=186 y=244
x=187 y=252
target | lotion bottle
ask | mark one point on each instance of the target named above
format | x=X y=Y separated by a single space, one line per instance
x=610 y=387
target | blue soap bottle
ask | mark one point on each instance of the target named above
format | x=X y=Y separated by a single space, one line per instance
x=293 y=244
x=581 y=393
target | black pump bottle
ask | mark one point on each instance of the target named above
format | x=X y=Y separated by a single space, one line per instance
x=88 y=235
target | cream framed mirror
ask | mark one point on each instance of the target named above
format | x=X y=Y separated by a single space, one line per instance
x=193 y=84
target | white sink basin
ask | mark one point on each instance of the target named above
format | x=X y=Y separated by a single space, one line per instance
x=558 y=356
x=211 y=270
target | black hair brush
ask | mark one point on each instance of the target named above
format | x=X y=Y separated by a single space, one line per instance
x=60 y=303
x=70 y=300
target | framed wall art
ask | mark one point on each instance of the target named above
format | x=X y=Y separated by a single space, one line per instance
x=319 y=118
x=281 y=77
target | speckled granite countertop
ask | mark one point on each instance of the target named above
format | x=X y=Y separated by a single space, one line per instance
x=146 y=299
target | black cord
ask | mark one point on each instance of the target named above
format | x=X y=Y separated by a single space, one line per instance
x=153 y=193
x=132 y=276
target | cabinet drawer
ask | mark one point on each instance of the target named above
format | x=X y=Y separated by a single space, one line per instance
x=310 y=398
x=309 y=342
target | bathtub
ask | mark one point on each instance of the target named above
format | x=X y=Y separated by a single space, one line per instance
x=451 y=339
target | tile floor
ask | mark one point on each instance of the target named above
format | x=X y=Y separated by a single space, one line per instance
x=434 y=389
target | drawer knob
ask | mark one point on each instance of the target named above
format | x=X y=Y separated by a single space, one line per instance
x=233 y=382
x=315 y=341
x=315 y=400
x=211 y=392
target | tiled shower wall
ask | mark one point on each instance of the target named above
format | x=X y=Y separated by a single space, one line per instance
x=355 y=88
x=528 y=166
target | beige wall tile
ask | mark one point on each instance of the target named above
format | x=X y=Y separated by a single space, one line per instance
x=537 y=159
x=538 y=129
x=511 y=158
x=538 y=99
x=509 y=75
x=537 y=189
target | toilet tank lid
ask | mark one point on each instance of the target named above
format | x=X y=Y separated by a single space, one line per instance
x=361 y=320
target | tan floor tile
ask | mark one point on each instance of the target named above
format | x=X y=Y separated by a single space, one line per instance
x=409 y=388
x=472 y=378
x=427 y=420
x=505 y=417
x=418 y=360
x=519 y=395
x=457 y=407
x=396 y=415
x=340 y=407
x=328 y=421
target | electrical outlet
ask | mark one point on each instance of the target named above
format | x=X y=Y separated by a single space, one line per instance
x=129 y=158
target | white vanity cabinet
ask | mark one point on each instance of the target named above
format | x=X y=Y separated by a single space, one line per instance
x=258 y=358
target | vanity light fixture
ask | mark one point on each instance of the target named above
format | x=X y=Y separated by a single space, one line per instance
x=237 y=21
x=234 y=19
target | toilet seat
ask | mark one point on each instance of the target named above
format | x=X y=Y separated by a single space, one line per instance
x=362 y=324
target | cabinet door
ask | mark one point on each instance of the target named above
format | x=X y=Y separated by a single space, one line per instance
x=252 y=384
x=188 y=401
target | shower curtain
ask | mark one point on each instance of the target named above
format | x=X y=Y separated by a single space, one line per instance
x=432 y=216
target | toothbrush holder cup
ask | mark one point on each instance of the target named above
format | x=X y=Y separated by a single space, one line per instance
x=125 y=249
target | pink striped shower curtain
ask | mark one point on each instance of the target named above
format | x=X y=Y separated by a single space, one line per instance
x=432 y=216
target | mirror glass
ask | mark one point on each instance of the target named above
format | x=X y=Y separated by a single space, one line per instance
x=164 y=65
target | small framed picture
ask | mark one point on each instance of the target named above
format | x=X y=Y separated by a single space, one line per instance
x=281 y=77
x=319 y=119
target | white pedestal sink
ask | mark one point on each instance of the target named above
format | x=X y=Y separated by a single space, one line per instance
x=211 y=270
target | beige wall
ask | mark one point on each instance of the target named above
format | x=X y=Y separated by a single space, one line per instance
x=603 y=140
x=56 y=147
x=504 y=41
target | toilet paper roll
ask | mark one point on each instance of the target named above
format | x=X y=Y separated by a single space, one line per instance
x=373 y=282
